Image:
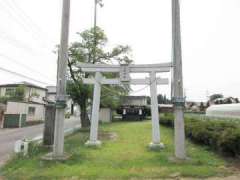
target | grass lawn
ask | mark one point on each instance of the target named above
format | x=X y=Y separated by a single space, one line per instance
x=125 y=157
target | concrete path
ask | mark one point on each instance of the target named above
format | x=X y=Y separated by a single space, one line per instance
x=9 y=136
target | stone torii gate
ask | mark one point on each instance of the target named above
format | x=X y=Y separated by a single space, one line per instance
x=124 y=72
x=177 y=83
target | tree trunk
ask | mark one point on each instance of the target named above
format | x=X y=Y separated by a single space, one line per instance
x=85 y=122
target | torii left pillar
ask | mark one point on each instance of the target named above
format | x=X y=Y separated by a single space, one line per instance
x=93 y=140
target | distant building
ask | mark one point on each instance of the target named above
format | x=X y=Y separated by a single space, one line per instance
x=165 y=108
x=133 y=107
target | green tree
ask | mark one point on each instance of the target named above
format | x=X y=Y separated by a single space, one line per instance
x=20 y=93
x=91 y=50
x=17 y=95
x=215 y=96
x=162 y=99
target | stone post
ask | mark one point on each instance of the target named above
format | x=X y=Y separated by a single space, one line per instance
x=49 y=123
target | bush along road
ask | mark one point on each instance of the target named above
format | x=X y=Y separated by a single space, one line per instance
x=222 y=136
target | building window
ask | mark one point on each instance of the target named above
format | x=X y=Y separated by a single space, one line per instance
x=10 y=91
x=31 y=111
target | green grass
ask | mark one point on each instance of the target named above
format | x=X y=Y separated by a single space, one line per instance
x=124 y=158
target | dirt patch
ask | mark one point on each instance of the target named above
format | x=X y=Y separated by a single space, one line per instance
x=234 y=164
x=234 y=177
x=107 y=136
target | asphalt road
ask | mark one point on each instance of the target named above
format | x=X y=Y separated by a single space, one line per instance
x=8 y=137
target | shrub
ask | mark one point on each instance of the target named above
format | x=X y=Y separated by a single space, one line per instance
x=222 y=136
x=167 y=119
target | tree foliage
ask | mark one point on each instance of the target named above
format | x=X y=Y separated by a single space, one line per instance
x=17 y=95
x=162 y=99
x=215 y=96
x=91 y=50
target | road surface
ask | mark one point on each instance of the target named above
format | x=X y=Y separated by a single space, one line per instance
x=8 y=137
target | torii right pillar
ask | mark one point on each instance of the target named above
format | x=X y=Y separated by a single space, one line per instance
x=177 y=86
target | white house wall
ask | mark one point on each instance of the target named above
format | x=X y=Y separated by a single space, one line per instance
x=16 y=108
x=22 y=108
x=40 y=92
x=2 y=91
x=105 y=115
x=39 y=113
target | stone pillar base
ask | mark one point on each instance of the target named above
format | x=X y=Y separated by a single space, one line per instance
x=154 y=146
x=52 y=157
x=178 y=160
x=93 y=143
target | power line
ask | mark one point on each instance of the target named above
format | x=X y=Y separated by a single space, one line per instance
x=139 y=90
x=16 y=43
x=25 y=66
x=111 y=90
x=28 y=19
x=21 y=75
x=22 y=22
x=20 y=16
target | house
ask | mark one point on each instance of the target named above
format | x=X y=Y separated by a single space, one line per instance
x=32 y=93
x=2 y=109
x=25 y=102
x=24 y=106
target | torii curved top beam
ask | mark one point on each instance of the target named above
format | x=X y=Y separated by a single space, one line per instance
x=140 y=68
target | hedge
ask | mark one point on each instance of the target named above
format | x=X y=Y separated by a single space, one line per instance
x=221 y=136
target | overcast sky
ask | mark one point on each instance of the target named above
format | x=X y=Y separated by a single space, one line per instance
x=30 y=29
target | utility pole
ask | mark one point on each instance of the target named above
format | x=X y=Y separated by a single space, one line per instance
x=177 y=91
x=58 y=148
x=96 y=3
x=95 y=30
